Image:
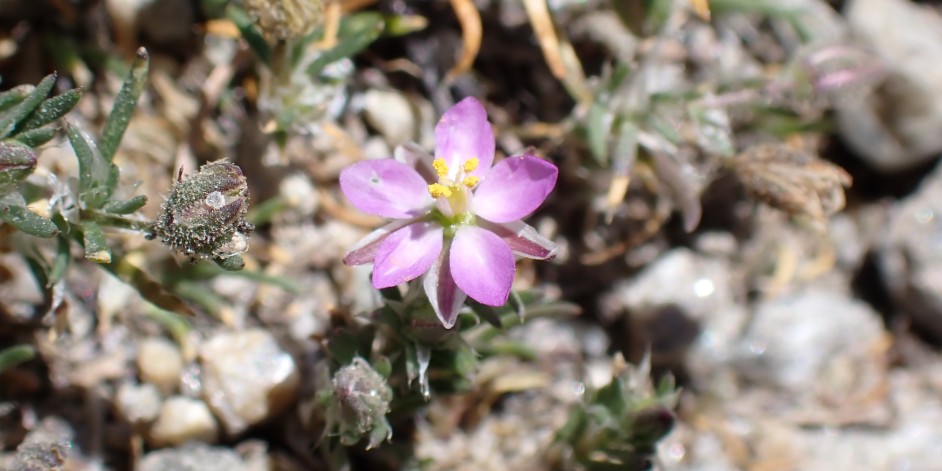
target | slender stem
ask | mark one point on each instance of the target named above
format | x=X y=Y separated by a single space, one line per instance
x=115 y=221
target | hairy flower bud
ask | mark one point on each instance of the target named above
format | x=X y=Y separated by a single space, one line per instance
x=204 y=215
x=359 y=404
x=17 y=161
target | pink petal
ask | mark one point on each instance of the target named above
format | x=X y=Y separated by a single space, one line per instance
x=482 y=265
x=365 y=250
x=442 y=291
x=523 y=239
x=514 y=188
x=463 y=133
x=406 y=254
x=385 y=188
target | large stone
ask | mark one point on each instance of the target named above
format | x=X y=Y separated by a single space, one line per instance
x=817 y=340
x=247 y=378
x=897 y=126
x=684 y=306
x=910 y=256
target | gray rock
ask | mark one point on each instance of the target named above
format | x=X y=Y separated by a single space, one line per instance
x=391 y=114
x=810 y=341
x=183 y=419
x=897 y=126
x=247 y=378
x=196 y=457
x=682 y=303
x=910 y=256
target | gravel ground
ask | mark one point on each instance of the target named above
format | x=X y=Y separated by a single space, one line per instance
x=754 y=210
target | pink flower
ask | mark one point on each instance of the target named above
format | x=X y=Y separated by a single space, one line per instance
x=456 y=219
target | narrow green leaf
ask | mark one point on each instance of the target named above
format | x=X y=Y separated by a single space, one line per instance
x=598 y=130
x=14 y=95
x=151 y=290
x=356 y=33
x=96 y=247
x=250 y=33
x=36 y=137
x=27 y=221
x=124 y=105
x=8 y=122
x=96 y=175
x=13 y=356
x=50 y=110
x=125 y=207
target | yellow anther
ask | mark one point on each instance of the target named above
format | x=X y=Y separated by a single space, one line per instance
x=471 y=181
x=470 y=165
x=441 y=168
x=438 y=190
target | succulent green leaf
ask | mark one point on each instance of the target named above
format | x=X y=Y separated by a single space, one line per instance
x=36 y=137
x=17 y=161
x=124 y=106
x=16 y=355
x=127 y=206
x=27 y=221
x=598 y=129
x=96 y=247
x=10 y=120
x=97 y=176
x=356 y=33
x=625 y=152
x=50 y=110
x=14 y=95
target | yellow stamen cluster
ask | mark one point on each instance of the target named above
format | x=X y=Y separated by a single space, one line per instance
x=441 y=168
x=437 y=190
x=446 y=187
x=471 y=181
x=471 y=165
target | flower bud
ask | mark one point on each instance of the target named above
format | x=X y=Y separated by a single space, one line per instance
x=360 y=403
x=204 y=215
x=17 y=161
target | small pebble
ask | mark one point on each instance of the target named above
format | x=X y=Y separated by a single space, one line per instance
x=183 y=419
x=138 y=403
x=160 y=363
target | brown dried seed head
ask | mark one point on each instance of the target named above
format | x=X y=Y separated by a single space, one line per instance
x=793 y=181
x=286 y=19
